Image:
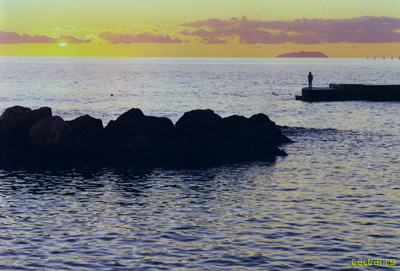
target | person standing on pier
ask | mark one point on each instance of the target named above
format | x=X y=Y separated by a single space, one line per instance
x=310 y=78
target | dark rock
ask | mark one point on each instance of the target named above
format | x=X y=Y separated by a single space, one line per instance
x=285 y=139
x=135 y=123
x=235 y=124
x=86 y=140
x=158 y=131
x=195 y=151
x=138 y=145
x=16 y=114
x=50 y=142
x=200 y=138
x=41 y=113
x=23 y=116
x=238 y=138
x=125 y=126
x=14 y=125
x=205 y=138
x=87 y=132
x=255 y=138
x=138 y=151
x=198 y=122
x=267 y=129
x=50 y=134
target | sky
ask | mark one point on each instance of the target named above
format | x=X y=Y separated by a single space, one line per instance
x=199 y=28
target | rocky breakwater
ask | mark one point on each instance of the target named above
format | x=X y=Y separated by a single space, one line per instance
x=200 y=138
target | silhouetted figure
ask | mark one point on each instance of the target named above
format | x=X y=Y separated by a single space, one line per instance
x=310 y=78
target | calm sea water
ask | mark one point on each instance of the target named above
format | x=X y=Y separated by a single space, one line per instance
x=335 y=198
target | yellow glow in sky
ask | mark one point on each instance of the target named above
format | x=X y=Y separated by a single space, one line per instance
x=166 y=27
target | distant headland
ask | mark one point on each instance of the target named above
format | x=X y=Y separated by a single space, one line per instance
x=303 y=54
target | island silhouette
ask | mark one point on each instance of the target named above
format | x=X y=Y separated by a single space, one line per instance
x=303 y=54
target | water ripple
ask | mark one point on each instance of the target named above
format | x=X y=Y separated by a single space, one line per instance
x=334 y=198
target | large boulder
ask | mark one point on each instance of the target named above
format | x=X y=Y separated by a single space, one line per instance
x=158 y=129
x=195 y=151
x=199 y=122
x=15 y=123
x=87 y=133
x=19 y=115
x=267 y=129
x=135 y=123
x=50 y=134
x=39 y=114
x=254 y=138
x=16 y=114
x=204 y=139
x=125 y=126
x=122 y=136
x=239 y=138
x=138 y=151
x=235 y=124
x=198 y=141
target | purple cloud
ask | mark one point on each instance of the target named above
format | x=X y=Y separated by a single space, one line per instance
x=13 y=38
x=302 y=31
x=214 y=41
x=71 y=39
x=140 y=38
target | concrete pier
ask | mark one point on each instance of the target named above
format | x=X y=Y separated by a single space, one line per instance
x=351 y=92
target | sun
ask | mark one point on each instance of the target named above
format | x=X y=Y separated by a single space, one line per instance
x=62 y=44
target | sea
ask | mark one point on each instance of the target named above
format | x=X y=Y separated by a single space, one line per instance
x=332 y=204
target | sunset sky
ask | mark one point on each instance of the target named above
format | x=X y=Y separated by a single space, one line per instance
x=211 y=28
